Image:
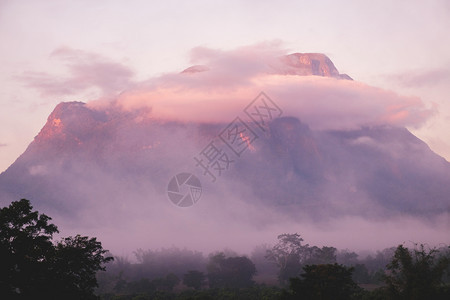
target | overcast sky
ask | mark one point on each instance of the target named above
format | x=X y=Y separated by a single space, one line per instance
x=402 y=46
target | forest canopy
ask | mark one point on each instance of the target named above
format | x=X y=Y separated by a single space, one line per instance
x=34 y=266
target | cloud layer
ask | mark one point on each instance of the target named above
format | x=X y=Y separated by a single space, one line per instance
x=423 y=78
x=224 y=82
x=231 y=79
x=85 y=70
x=230 y=216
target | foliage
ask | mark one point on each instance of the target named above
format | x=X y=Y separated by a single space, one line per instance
x=320 y=256
x=32 y=266
x=171 y=281
x=194 y=279
x=328 y=281
x=155 y=271
x=319 y=276
x=256 y=292
x=415 y=274
x=288 y=254
x=377 y=264
x=369 y=270
x=234 y=272
x=347 y=258
x=75 y=264
x=266 y=270
x=291 y=255
x=361 y=274
x=156 y=263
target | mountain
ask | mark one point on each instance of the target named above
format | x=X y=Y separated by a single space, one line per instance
x=384 y=168
x=310 y=64
x=302 y=64
x=110 y=168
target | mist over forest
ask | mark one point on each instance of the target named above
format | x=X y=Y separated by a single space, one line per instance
x=249 y=150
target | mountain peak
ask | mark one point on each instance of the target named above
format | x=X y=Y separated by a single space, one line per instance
x=310 y=64
x=68 y=126
x=56 y=121
x=196 y=69
x=300 y=64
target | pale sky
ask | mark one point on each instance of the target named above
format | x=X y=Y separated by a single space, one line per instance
x=403 y=46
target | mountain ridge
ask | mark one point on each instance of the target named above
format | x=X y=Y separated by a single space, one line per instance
x=297 y=156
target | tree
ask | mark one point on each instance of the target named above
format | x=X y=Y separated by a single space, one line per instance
x=194 y=279
x=415 y=274
x=347 y=258
x=361 y=274
x=288 y=254
x=328 y=281
x=155 y=263
x=232 y=272
x=25 y=243
x=170 y=281
x=32 y=266
x=74 y=265
x=264 y=267
x=321 y=256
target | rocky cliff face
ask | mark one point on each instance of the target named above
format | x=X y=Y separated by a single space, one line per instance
x=82 y=153
x=317 y=64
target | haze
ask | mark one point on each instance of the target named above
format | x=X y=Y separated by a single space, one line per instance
x=126 y=59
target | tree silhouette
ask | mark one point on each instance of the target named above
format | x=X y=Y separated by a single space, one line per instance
x=416 y=274
x=321 y=256
x=289 y=254
x=232 y=272
x=75 y=264
x=33 y=267
x=194 y=279
x=329 y=281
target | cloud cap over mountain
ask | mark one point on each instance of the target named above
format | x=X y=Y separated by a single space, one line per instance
x=307 y=86
x=339 y=152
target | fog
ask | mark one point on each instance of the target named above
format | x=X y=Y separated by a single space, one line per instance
x=112 y=182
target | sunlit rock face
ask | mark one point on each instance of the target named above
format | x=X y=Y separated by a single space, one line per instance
x=310 y=64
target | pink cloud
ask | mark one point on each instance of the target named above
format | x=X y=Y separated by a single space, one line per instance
x=421 y=78
x=85 y=70
x=230 y=79
x=224 y=82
